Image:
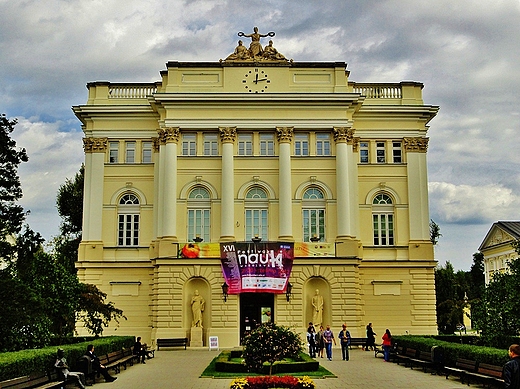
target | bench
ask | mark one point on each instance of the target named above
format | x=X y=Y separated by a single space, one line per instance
x=462 y=367
x=406 y=356
x=358 y=342
x=424 y=360
x=172 y=342
x=14 y=382
x=487 y=374
x=37 y=380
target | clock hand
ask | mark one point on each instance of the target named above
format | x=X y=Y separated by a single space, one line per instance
x=261 y=79
x=256 y=78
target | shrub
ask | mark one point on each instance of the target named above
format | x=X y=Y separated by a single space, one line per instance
x=266 y=382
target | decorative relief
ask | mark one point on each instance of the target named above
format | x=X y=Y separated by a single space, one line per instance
x=344 y=135
x=285 y=134
x=355 y=144
x=169 y=135
x=95 y=145
x=256 y=53
x=155 y=144
x=228 y=134
x=416 y=144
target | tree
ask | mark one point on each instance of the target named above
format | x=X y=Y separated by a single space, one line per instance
x=270 y=343
x=435 y=232
x=477 y=279
x=449 y=293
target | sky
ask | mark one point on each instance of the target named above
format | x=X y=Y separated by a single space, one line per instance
x=466 y=53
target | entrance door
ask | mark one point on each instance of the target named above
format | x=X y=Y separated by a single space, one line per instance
x=255 y=309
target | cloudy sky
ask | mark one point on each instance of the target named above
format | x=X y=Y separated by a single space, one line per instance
x=465 y=52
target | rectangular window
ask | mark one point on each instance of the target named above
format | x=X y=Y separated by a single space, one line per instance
x=383 y=225
x=189 y=144
x=245 y=144
x=313 y=224
x=130 y=152
x=301 y=144
x=256 y=223
x=198 y=224
x=266 y=144
x=113 y=152
x=397 y=152
x=210 y=144
x=380 y=152
x=322 y=144
x=363 y=152
x=128 y=230
x=147 y=152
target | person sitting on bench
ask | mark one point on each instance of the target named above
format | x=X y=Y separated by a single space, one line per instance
x=63 y=369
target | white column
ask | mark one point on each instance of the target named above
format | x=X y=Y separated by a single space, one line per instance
x=169 y=173
x=417 y=188
x=227 y=211
x=285 y=232
x=157 y=197
x=86 y=195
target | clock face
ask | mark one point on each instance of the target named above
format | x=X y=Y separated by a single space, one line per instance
x=256 y=81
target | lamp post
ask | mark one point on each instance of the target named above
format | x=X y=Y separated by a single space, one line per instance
x=288 y=291
x=225 y=289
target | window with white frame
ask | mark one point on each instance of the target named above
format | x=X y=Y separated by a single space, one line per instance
x=147 y=152
x=380 y=152
x=128 y=220
x=322 y=144
x=301 y=144
x=130 y=152
x=383 y=220
x=363 y=152
x=189 y=144
x=199 y=210
x=113 y=152
x=397 y=152
x=245 y=144
x=313 y=215
x=210 y=144
x=256 y=207
x=266 y=144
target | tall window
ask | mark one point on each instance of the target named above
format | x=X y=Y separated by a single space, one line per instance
x=266 y=144
x=189 y=144
x=256 y=214
x=147 y=152
x=128 y=221
x=129 y=152
x=363 y=152
x=313 y=215
x=210 y=144
x=199 y=207
x=383 y=220
x=397 y=152
x=113 y=152
x=380 y=152
x=301 y=144
x=322 y=144
x=245 y=144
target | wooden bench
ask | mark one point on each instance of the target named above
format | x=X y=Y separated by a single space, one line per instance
x=406 y=356
x=461 y=369
x=172 y=342
x=358 y=342
x=14 y=382
x=37 y=380
x=424 y=360
x=487 y=374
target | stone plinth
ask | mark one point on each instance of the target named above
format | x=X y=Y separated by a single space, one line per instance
x=196 y=337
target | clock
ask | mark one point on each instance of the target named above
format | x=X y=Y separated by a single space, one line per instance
x=256 y=81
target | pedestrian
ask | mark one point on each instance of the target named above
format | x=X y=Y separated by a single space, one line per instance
x=371 y=338
x=344 y=337
x=511 y=371
x=328 y=338
x=320 y=342
x=387 y=345
x=311 y=340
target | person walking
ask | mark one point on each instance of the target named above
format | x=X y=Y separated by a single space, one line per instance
x=371 y=338
x=511 y=370
x=311 y=340
x=344 y=337
x=320 y=343
x=328 y=338
x=387 y=345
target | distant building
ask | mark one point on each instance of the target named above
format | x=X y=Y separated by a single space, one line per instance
x=496 y=247
x=280 y=183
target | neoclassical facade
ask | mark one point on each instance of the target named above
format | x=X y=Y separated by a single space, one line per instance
x=258 y=148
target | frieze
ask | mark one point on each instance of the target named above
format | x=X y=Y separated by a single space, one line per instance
x=416 y=144
x=95 y=145
x=285 y=134
x=344 y=135
x=228 y=134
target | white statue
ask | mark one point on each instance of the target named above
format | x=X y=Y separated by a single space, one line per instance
x=197 y=307
x=317 y=305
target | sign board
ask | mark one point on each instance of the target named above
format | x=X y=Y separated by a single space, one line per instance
x=213 y=343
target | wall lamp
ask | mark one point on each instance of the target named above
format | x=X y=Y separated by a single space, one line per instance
x=256 y=239
x=288 y=292
x=315 y=238
x=225 y=289
x=198 y=239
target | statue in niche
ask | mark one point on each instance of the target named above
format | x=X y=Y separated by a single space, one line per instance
x=241 y=52
x=317 y=306
x=271 y=53
x=197 y=307
x=255 y=48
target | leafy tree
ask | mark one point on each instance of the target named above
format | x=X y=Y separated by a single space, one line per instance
x=435 y=232
x=269 y=343
x=449 y=293
x=476 y=277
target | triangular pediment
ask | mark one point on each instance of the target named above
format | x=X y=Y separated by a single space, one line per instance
x=499 y=233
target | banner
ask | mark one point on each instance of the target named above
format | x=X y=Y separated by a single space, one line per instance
x=256 y=267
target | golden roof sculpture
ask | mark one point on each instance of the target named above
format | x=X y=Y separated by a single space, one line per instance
x=255 y=52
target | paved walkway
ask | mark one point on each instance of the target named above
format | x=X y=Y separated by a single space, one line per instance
x=181 y=369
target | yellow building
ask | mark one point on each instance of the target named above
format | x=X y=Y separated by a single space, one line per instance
x=497 y=247
x=258 y=148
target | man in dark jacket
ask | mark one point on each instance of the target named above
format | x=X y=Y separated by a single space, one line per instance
x=97 y=366
x=511 y=371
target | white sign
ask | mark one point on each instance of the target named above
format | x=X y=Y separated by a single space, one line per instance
x=213 y=342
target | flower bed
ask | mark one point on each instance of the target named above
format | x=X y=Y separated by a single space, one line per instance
x=269 y=382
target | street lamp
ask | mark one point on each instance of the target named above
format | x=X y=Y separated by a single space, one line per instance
x=225 y=289
x=288 y=292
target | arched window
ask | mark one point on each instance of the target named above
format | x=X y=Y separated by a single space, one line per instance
x=128 y=220
x=313 y=215
x=199 y=211
x=383 y=220
x=256 y=211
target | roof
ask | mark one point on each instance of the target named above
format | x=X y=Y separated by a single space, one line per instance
x=510 y=227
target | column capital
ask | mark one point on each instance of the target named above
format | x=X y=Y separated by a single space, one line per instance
x=156 y=142
x=95 y=145
x=344 y=135
x=285 y=134
x=417 y=144
x=169 y=135
x=228 y=134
